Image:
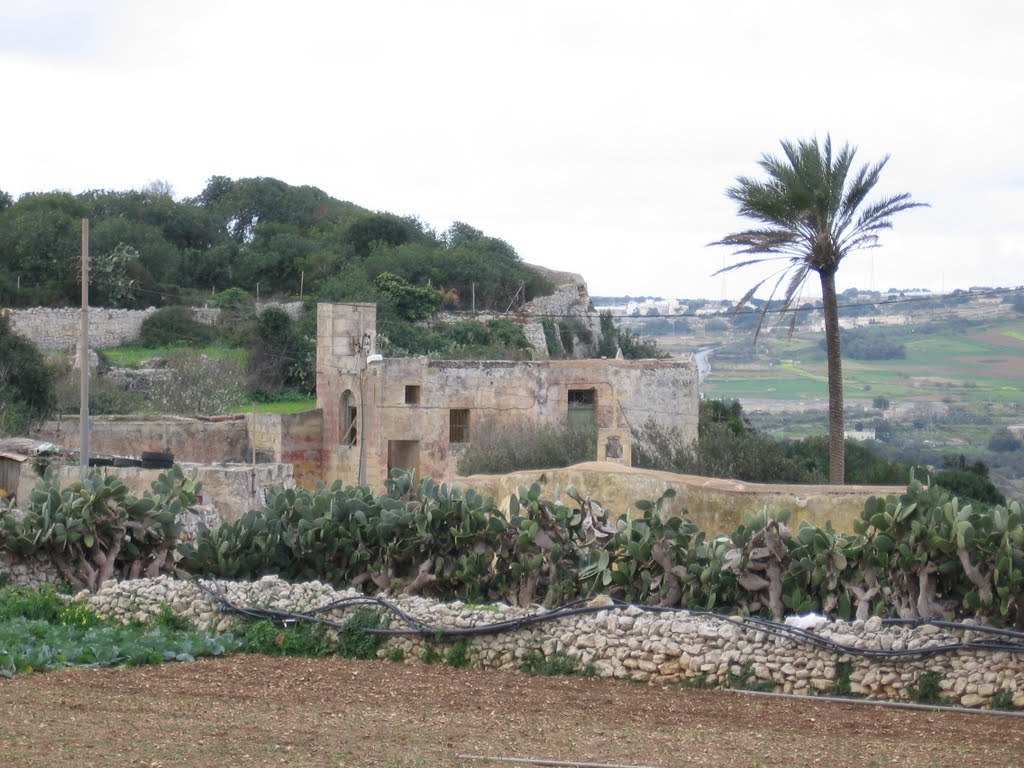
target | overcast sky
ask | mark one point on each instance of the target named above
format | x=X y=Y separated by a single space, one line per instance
x=594 y=137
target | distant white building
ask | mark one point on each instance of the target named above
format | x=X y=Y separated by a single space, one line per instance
x=860 y=434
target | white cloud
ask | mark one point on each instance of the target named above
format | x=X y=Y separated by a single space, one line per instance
x=592 y=136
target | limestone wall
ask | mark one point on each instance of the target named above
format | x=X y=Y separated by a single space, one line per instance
x=716 y=505
x=632 y=643
x=231 y=489
x=188 y=439
x=295 y=439
x=59 y=328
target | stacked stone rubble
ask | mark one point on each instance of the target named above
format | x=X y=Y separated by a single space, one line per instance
x=627 y=643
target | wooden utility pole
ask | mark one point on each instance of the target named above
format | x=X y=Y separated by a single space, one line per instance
x=83 y=357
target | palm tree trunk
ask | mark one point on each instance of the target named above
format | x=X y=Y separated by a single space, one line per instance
x=836 y=447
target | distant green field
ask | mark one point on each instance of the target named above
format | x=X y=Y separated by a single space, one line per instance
x=984 y=365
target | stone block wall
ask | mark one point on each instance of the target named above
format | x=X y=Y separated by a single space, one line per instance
x=188 y=439
x=632 y=643
x=59 y=328
x=295 y=439
x=231 y=489
x=716 y=505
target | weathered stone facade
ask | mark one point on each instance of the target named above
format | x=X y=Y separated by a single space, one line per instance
x=189 y=439
x=420 y=414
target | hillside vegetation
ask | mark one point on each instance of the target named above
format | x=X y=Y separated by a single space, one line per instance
x=260 y=235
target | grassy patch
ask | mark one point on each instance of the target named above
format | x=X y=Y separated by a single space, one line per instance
x=282 y=407
x=266 y=638
x=127 y=356
x=536 y=663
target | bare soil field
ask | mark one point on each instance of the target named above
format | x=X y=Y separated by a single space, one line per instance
x=261 y=711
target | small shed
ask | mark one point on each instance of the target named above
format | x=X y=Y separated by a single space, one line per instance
x=14 y=452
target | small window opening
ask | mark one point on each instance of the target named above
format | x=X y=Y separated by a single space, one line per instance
x=349 y=421
x=582 y=398
x=412 y=394
x=458 y=425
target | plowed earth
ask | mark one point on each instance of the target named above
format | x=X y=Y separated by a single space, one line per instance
x=259 y=711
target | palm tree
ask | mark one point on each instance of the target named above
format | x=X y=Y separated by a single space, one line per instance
x=813 y=213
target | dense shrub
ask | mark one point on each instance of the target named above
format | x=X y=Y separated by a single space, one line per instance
x=27 y=388
x=197 y=384
x=719 y=452
x=174 y=325
x=499 y=449
x=869 y=344
x=94 y=528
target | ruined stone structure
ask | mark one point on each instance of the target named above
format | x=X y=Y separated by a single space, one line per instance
x=421 y=414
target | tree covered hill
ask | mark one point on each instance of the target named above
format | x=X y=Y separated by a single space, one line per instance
x=146 y=249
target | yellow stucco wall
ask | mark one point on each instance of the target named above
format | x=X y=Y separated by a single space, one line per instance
x=716 y=505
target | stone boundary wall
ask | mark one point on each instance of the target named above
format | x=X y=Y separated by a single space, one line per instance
x=33 y=572
x=58 y=328
x=717 y=505
x=626 y=643
x=188 y=439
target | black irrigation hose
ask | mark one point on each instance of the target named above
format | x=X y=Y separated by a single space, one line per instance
x=415 y=627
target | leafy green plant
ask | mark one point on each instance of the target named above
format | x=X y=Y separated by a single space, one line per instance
x=354 y=642
x=42 y=604
x=40 y=646
x=926 y=689
x=168 y=619
x=535 y=663
x=302 y=639
x=262 y=637
x=841 y=686
x=83 y=616
x=430 y=654
x=395 y=654
x=1002 y=700
x=458 y=655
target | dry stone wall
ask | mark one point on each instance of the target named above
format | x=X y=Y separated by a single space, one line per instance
x=628 y=643
x=59 y=328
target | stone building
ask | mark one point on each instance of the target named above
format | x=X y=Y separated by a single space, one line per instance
x=422 y=414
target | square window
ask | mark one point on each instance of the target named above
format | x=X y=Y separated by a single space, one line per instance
x=458 y=425
x=412 y=394
x=582 y=398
